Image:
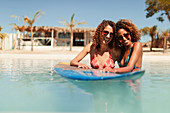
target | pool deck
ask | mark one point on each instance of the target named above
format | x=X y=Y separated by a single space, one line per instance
x=63 y=53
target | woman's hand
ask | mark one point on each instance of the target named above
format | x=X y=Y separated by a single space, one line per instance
x=80 y=56
x=109 y=70
x=84 y=66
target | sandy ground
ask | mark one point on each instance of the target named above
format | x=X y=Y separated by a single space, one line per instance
x=63 y=53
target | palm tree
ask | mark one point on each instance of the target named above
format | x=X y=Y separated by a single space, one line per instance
x=30 y=23
x=152 y=31
x=71 y=25
x=165 y=34
x=21 y=29
x=2 y=36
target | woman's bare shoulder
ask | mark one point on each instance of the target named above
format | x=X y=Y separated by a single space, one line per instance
x=137 y=44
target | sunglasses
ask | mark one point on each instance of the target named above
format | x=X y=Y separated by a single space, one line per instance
x=126 y=35
x=107 y=32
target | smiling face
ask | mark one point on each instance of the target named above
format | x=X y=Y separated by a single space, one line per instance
x=107 y=34
x=124 y=37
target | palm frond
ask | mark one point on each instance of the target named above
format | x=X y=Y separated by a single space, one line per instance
x=17 y=17
x=13 y=25
x=74 y=21
x=38 y=12
x=72 y=17
x=165 y=33
x=28 y=21
x=37 y=15
x=79 y=23
x=3 y=35
x=1 y=28
x=62 y=18
x=64 y=22
x=145 y=30
x=153 y=30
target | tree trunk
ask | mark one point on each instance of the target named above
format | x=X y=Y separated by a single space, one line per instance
x=71 y=40
x=151 y=43
x=164 y=47
x=32 y=38
x=19 y=40
x=1 y=44
x=23 y=31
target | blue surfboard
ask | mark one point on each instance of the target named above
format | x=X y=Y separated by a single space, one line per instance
x=94 y=74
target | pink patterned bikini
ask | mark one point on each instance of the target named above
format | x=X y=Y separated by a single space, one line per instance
x=109 y=62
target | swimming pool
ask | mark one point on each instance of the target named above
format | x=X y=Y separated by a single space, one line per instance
x=28 y=85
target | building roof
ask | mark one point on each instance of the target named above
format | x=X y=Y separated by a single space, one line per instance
x=56 y=29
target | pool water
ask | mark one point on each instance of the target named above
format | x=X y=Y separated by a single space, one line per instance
x=28 y=85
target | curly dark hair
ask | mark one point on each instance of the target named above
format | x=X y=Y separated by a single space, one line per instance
x=129 y=27
x=98 y=34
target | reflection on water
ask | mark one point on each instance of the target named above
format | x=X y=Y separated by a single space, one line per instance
x=32 y=86
x=113 y=96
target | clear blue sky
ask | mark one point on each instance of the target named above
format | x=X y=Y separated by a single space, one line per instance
x=91 y=11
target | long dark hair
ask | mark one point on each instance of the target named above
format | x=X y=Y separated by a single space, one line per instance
x=98 y=34
x=129 y=27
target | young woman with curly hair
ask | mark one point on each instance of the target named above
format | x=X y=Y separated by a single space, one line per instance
x=128 y=37
x=103 y=51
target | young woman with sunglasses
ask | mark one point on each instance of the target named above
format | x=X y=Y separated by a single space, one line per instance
x=103 y=51
x=128 y=36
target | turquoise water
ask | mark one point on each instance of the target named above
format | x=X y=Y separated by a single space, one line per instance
x=32 y=86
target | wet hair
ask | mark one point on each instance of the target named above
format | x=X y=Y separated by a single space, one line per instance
x=129 y=27
x=98 y=34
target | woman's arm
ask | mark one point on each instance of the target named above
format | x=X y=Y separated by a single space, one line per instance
x=80 y=56
x=136 y=54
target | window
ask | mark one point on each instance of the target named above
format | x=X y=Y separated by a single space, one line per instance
x=64 y=35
